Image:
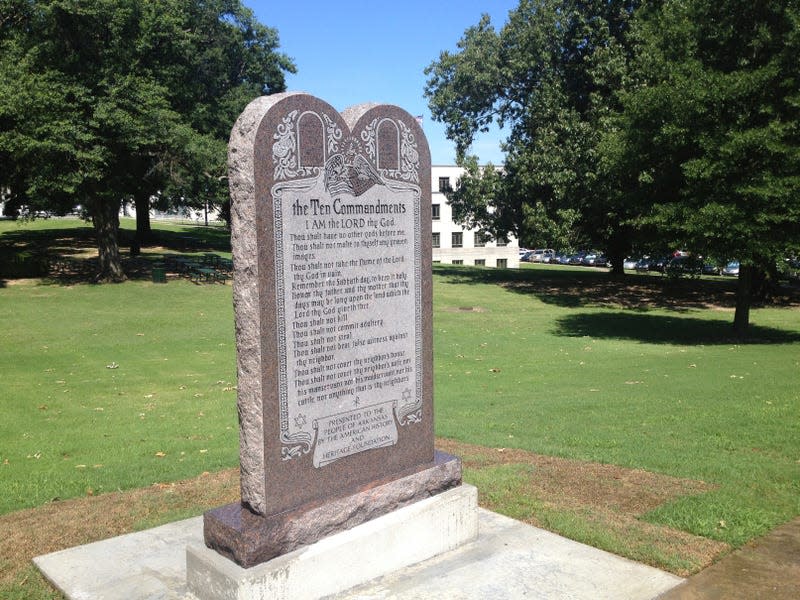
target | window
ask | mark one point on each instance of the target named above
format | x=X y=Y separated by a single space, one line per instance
x=436 y=239
x=481 y=238
x=435 y=215
x=502 y=263
x=480 y=262
x=502 y=242
x=444 y=184
x=457 y=239
x=458 y=261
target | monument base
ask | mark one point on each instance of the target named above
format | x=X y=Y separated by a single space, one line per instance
x=249 y=539
x=342 y=561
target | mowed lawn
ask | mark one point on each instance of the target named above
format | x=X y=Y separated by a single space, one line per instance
x=113 y=387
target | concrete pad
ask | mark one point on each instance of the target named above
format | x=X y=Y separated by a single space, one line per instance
x=383 y=545
x=514 y=560
x=508 y=560
x=149 y=564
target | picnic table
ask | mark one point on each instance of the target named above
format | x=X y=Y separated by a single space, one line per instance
x=204 y=273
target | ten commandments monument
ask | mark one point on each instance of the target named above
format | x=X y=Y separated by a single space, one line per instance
x=332 y=295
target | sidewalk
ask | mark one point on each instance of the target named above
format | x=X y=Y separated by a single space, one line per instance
x=766 y=568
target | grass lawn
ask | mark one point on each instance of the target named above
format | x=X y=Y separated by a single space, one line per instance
x=621 y=415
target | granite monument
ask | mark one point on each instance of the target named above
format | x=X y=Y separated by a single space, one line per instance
x=332 y=295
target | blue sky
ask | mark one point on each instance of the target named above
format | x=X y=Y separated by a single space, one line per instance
x=348 y=52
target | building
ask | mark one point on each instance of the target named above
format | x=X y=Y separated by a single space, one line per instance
x=452 y=243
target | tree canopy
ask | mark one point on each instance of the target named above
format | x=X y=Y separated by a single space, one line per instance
x=634 y=121
x=710 y=125
x=106 y=100
x=551 y=75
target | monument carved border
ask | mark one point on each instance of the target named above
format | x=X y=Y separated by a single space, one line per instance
x=332 y=296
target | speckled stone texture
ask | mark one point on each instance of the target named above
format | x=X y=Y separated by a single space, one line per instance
x=249 y=539
x=302 y=477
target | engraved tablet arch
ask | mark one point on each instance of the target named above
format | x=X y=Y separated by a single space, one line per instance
x=388 y=145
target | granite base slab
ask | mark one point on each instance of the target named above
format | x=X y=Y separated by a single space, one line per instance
x=404 y=537
x=249 y=539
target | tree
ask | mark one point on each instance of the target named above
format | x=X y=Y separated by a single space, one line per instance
x=551 y=74
x=112 y=99
x=711 y=126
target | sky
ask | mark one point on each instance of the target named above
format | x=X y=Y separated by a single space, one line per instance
x=349 y=52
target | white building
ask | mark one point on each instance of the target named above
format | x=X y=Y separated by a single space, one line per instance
x=453 y=244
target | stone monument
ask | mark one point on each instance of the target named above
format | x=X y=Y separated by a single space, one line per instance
x=331 y=245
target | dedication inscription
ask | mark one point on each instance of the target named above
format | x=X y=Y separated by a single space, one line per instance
x=348 y=262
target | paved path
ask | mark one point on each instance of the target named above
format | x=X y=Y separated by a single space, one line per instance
x=767 y=568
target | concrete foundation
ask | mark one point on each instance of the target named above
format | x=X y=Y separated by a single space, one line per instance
x=337 y=563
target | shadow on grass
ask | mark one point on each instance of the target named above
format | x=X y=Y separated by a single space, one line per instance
x=70 y=252
x=576 y=287
x=664 y=329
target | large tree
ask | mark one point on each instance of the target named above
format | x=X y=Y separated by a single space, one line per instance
x=711 y=128
x=106 y=100
x=551 y=75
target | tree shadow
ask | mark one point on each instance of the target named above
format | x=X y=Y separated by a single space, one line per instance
x=665 y=329
x=67 y=255
x=577 y=287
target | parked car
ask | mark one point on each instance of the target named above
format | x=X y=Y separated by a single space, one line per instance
x=601 y=260
x=540 y=254
x=731 y=269
x=710 y=269
x=683 y=266
x=643 y=264
x=660 y=264
x=560 y=259
x=576 y=259
x=629 y=264
x=588 y=260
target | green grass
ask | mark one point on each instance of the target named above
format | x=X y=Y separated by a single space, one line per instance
x=666 y=391
x=533 y=364
x=99 y=380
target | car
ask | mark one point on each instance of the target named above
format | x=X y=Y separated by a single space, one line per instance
x=560 y=259
x=731 y=269
x=588 y=260
x=575 y=259
x=643 y=264
x=683 y=266
x=543 y=255
x=601 y=261
x=629 y=264
x=660 y=264
x=710 y=269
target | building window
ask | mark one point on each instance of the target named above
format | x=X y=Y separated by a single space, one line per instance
x=436 y=241
x=435 y=215
x=502 y=242
x=457 y=240
x=502 y=263
x=444 y=184
x=458 y=261
x=480 y=262
x=481 y=238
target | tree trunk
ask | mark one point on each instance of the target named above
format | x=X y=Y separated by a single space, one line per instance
x=105 y=219
x=744 y=297
x=617 y=259
x=618 y=245
x=143 y=230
